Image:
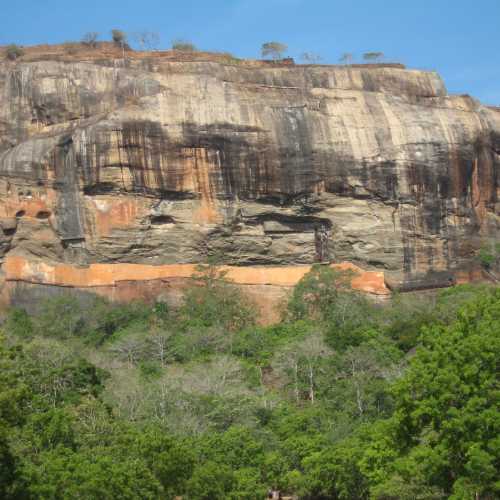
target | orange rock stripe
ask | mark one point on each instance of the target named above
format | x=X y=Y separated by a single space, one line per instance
x=17 y=268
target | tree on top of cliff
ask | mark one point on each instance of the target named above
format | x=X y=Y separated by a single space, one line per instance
x=373 y=56
x=147 y=40
x=183 y=45
x=119 y=36
x=273 y=49
x=90 y=39
x=311 y=58
x=346 y=58
x=13 y=51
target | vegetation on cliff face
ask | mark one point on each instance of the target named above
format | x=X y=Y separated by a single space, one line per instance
x=342 y=400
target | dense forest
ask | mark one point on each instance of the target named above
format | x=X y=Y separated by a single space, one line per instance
x=344 y=399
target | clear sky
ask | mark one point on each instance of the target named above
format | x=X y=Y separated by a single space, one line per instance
x=458 y=38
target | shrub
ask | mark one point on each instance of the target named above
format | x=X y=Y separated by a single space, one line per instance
x=61 y=317
x=108 y=319
x=198 y=341
x=259 y=344
x=230 y=59
x=149 y=370
x=18 y=323
x=70 y=48
x=13 y=51
x=488 y=256
x=183 y=46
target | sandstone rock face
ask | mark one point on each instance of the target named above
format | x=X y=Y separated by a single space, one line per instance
x=158 y=163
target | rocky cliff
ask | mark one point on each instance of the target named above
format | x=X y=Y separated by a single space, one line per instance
x=157 y=163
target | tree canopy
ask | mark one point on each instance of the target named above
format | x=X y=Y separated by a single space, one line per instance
x=344 y=399
x=273 y=49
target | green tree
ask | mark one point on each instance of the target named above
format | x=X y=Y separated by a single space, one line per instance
x=446 y=422
x=489 y=255
x=211 y=481
x=61 y=317
x=333 y=473
x=107 y=321
x=212 y=301
x=317 y=293
x=8 y=466
x=95 y=475
x=15 y=401
x=48 y=430
x=248 y=485
x=170 y=459
x=18 y=323
x=15 y=393
x=325 y=295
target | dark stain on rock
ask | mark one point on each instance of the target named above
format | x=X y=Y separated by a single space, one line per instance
x=68 y=211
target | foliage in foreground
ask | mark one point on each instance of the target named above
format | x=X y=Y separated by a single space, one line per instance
x=345 y=399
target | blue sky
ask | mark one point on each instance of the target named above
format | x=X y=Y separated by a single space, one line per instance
x=458 y=38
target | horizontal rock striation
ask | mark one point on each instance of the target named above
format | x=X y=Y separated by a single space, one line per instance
x=266 y=286
x=156 y=162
